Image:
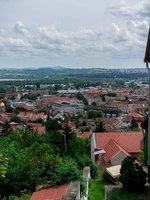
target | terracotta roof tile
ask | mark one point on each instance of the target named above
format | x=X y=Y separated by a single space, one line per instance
x=37 y=127
x=53 y=193
x=58 y=99
x=129 y=141
x=27 y=107
x=112 y=149
x=32 y=116
x=84 y=134
x=136 y=116
x=93 y=91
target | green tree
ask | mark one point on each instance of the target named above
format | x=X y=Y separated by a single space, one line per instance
x=6 y=128
x=132 y=175
x=26 y=137
x=100 y=127
x=134 y=125
x=57 y=141
x=35 y=160
x=18 y=109
x=15 y=119
x=52 y=125
x=36 y=163
x=3 y=165
x=68 y=133
x=66 y=172
x=112 y=94
x=94 y=114
x=9 y=109
x=81 y=97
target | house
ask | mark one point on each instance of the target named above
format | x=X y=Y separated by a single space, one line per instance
x=65 y=104
x=111 y=148
x=59 y=116
x=60 y=100
x=32 y=116
x=93 y=95
x=111 y=124
x=29 y=107
x=129 y=117
x=37 y=127
x=6 y=116
x=84 y=135
x=11 y=89
x=53 y=193
x=135 y=107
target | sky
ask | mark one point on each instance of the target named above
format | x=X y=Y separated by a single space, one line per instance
x=73 y=33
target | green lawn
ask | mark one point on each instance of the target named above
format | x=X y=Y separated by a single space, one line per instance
x=120 y=194
x=23 y=197
x=96 y=190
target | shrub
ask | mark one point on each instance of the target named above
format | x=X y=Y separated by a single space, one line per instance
x=94 y=170
x=132 y=175
x=105 y=176
x=67 y=171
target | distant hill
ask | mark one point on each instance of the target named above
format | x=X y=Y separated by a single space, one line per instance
x=72 y=72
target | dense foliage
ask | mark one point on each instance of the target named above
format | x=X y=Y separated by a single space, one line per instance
x=134 y=125
x=31 y=160
x=80 y=96
x=100 y=127
x=94 y=114
x=132 y=175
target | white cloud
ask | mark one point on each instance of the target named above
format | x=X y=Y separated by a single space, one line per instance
x=138 y=11
x=20 y=28
x=48 y=42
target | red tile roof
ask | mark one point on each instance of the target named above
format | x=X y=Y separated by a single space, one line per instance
x=37 y=127
x=84 y=134
x=6 y=115
x=27 y=107
x=112 y=149
x=53 y=193
x=136 y=116
x=58 y=99
x=121 y=92
x=129 y=141
x=93 y=91
x=32 y=116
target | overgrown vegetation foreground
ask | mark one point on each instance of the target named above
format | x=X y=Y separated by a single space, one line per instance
x=29 y=160
x=119 y=193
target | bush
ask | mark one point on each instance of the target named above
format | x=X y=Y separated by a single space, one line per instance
x=105 y=176
x=67 y=171
x=94 y=170
x=132 y=175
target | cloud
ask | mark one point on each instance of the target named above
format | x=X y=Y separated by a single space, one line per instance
x=84 y=43
x=20 y=28
x=138 y=11
x=130 y=35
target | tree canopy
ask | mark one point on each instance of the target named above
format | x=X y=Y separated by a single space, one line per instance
x=94 y=114
x=30 y=160
x=132 y=175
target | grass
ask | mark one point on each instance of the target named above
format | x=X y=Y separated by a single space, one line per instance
x=23 y=197
x=119 y=193
x=96 y=189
